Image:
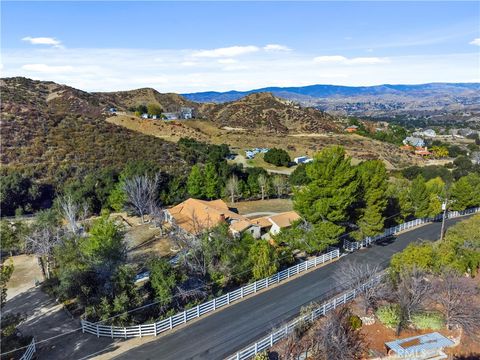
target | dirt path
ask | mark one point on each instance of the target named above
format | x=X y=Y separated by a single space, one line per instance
x=44 y=317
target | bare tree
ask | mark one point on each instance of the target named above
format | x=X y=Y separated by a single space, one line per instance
x=141 y=191
x=364 y=278
x=158 y=216
x=263 y=183
x=232 y=187
x=456 y=296
x=410 y=293
x=41 y=242
x=73 y=212
x=280 y=184
x=191 y=254
x=335 y=339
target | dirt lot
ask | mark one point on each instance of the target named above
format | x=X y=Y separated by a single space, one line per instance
x=26 y=271
x=268 y=205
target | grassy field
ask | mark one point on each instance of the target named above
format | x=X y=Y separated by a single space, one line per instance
x=268 y=205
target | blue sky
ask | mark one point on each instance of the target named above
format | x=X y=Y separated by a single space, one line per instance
x=198 y=46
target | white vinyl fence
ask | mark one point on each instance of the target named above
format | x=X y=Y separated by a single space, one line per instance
x=183 y=317
x=278 y=335
x=30 y=351
x=355 y=245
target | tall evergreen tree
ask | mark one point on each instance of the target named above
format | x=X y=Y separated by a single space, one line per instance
x=420 y=197
x=466 y=192
x=195 y=182
x=326 y=200
x=211 y=181
x=373 y=184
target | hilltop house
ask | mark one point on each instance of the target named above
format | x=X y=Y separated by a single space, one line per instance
x=351 y=129
x=414 y=141
x=194 y=216
x=186 y=113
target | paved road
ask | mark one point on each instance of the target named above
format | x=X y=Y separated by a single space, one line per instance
x=221 y=334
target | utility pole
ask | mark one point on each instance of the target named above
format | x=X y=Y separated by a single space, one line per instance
x=444 y=208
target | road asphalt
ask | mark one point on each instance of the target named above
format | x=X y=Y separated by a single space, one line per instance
x=223 y=333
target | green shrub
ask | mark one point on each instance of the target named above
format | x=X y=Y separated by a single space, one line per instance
x=389 y=315
x=355 y=322
x=433 y=321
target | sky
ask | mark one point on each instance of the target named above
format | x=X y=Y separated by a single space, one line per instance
x=218 y=46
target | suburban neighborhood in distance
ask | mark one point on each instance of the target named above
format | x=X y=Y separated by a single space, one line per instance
x=240 y=180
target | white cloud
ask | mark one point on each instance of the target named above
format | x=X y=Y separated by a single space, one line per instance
x=178 y=71
x=475 y=42
x=42 y=41
x=276 y=47
x=188 y=63
x=226 y=51
x=44 y=68
x=342 y=60
x=227 y=61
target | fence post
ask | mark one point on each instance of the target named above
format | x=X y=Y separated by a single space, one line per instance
x=155 y=329
x=345 y=298
x=83 y=326
x=98 y=331
x=198 y=310
x=111 y=331
x=323 y=309
x=125 y=332
x=170 y=322
x=215 y=299
x=140 y=330
x=241 y=292
x=256 y=348
x=228 y=298
x=315 y=261
x=255 y=287
x=271 y=339
x=334 y=303
x=185 y=316
x=278 y=277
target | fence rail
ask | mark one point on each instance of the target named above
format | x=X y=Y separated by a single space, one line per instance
x=283 y=332
x=31 y=349
x=153 y=329
x=356 y=245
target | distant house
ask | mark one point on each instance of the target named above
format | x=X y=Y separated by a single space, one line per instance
x=302 y=160
x=186 y=113
x=421 y=347
x=352 y=129
x=170 y=116
x=407 y=148
x=414 y=141
x=423 y=151
x=429 y=133
x=154 y=117
x=144 y=116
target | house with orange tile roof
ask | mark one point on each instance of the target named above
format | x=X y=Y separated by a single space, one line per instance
x=423 y=151
x=195 y=216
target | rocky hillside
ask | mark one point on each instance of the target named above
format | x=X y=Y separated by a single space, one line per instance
x=122 y=100
x=55 y=132
x=263 y=111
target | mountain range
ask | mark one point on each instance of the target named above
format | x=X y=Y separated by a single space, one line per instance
x=380 y=101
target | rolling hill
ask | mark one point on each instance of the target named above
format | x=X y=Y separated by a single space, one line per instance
x=266 y=112
x=54 y=132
